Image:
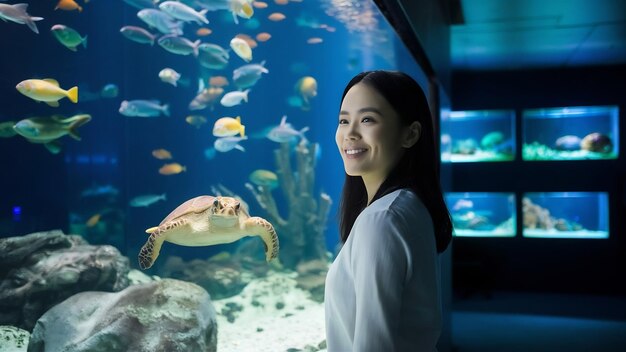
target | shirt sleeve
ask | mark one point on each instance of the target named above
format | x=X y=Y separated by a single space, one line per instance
x=379 y=263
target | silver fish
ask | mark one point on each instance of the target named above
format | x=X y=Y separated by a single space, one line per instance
x=144 y=108
x=247 y=75
x=226 y=144
x=17 y=13
x=285 y=132
x=138 y=35
x=179 y=45
x=183 y=12
x=212 y=56
x=163 y=22
x=146 y=200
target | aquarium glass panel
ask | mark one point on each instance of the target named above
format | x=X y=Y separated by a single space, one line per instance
x=476 y=214
x=475 y=136
x=566 y=215
x=127 y=110
x=571 y=133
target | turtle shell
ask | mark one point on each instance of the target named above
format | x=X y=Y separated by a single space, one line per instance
x=194 y=205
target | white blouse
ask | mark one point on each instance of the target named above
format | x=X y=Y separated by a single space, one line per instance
x=383 y=289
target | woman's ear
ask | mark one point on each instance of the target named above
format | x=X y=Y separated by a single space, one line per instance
x=413 y=135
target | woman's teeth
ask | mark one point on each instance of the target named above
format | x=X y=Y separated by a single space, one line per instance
x=354 y=151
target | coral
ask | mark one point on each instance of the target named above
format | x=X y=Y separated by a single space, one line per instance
x=301 y=233
x=536 y=217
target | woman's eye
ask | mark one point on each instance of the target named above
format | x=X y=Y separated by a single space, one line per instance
x=367 y=119
x=343 y=121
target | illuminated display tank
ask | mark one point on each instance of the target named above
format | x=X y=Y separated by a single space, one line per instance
x=566 y=215
x=571 y=133
x=476 y=214
x=475 y=136
x=119 y=112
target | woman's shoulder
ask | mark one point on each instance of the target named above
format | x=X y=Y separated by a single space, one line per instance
x=401 y=204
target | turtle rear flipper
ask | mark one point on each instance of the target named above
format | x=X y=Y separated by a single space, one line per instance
x=150 y=251
x=262 y=228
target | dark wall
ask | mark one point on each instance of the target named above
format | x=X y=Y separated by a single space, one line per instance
x=556 y=265
x=424 y=27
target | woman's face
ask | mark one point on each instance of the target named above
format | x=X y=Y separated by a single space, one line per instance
x=368 y=134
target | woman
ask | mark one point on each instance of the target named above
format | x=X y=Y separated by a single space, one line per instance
x=382 y=290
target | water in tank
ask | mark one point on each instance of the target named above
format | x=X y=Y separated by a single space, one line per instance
x=566 y=215
x=571 y=133
x=477 y=136
x=482 y=214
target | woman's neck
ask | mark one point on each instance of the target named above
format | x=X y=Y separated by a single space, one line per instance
x=372 y=184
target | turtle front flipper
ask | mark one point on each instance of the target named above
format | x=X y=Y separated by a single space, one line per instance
x=262 y=228
x=150 y=251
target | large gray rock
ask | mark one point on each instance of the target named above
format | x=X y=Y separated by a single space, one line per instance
x=167 y=315
x=42 y=269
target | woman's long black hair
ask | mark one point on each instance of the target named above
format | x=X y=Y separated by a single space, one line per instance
x=418 y=169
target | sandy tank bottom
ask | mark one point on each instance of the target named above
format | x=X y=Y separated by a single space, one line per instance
x=276 y=316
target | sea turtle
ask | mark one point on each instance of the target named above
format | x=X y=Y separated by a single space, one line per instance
x=205 y=221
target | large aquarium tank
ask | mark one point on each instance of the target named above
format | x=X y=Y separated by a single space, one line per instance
x=478 y=136
x=482 y=214
x=571 y=133
x=127 y=123
x=583 y=215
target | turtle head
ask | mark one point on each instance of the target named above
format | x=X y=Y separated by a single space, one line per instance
x=225 y=211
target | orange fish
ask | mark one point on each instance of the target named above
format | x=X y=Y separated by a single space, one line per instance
x=263 y=37
x=314 y=40
x=93 y=221
x=218 y=81
x=276 y=16
x=68 y=5
x=251 y=43
x=172 y=169
x=161 y=154
x=281 y=2
x=203 y=32
x=259 y=4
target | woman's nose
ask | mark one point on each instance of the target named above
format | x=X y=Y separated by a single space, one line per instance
x=352 y=133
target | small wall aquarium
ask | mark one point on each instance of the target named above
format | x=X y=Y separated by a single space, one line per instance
x=475 y=136
x=571 y=133
x=482 y=214
x=566 y=215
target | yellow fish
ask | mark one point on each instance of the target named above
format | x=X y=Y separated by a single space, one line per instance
x=46 y=90
x=161 y=154
x=196 y=120
x=241 y=8
x=241 y=48
x=93 y=221
x=307 y=88
x=172 y=169
x=228 y=126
